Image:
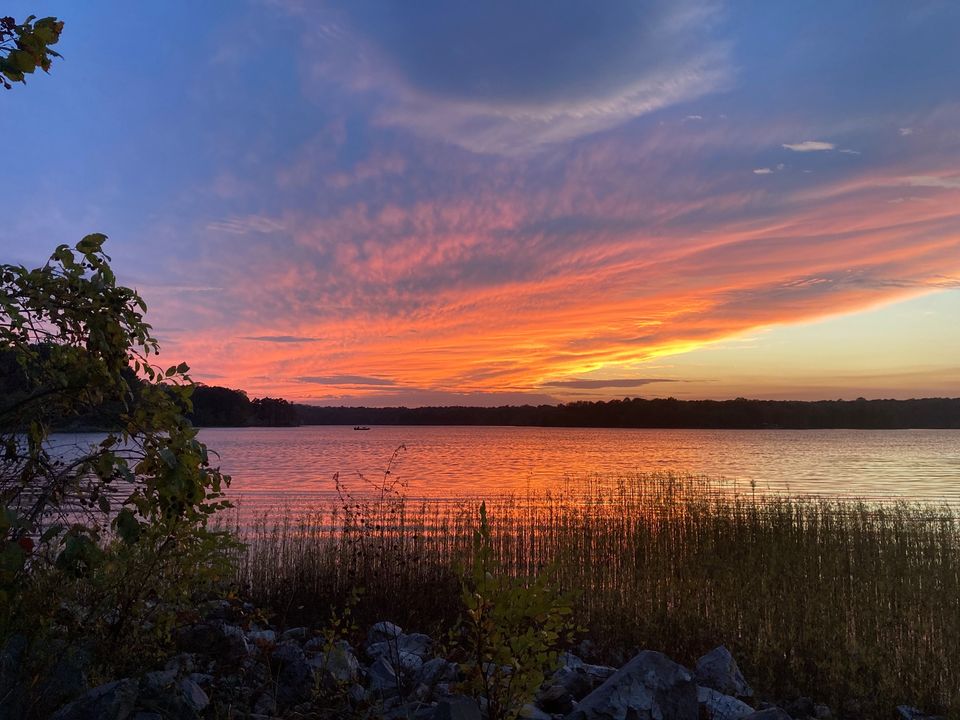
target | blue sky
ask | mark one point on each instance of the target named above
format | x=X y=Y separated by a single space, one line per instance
x=445 y=202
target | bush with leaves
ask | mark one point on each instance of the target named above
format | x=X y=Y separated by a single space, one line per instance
x=97 y=544
x=510 y=632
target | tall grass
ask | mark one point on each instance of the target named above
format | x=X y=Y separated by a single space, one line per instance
x=845 y=601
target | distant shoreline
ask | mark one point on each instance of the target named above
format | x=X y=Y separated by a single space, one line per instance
x=223 y=407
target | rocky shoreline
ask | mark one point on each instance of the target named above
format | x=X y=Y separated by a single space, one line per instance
x=230 y=664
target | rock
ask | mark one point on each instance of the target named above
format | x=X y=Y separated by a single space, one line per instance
x=575 y=682
x=65 y=681
x=416 y=644
x=908 y=712
x=649 y=687
x=556 y=698
x=773 y=713
x=295 y=682
x=718 y=671
x=801 y=707
x=215 y=638
x=436 y=671
x=112 y=701
x=145 y=715
x=383 y=632
x=193 y=696
x=287 y=652
x=459 y=707
x=158 y=680
x=717 y=706
x=336 y=666
x=383 y=677
x=297 y=633
x=184 y=663
x=532 y=712
x=266 y=704
x=260 y=637
x=822 y=712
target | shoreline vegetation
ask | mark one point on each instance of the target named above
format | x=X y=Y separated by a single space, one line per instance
x=855 y=604
x=223 y=407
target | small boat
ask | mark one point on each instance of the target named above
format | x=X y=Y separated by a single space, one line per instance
x=361 y=427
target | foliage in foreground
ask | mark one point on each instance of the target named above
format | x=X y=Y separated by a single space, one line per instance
x=851 y=603
x=99 y=546
x=25 y=46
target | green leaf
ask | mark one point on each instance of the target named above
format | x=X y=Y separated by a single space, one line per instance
x=23 y=61
x=127 y=526
x=91 y=243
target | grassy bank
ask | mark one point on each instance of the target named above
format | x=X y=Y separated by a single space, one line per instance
x=840 y=600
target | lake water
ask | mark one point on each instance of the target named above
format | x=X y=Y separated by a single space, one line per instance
x=294 y=467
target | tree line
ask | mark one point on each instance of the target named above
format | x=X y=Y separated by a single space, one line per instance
x=218 y=406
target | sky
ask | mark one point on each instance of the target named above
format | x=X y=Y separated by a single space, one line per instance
x=451 y=202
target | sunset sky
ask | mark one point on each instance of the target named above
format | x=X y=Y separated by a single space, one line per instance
x=442 y=202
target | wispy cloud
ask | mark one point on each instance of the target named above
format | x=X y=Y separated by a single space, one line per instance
x=501 y=80
x=247 y=224
x=281 y=338
x=809 y=146
x=346 y=380
x=611 y=383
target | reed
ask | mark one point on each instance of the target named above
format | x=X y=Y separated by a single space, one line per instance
x=846 y=601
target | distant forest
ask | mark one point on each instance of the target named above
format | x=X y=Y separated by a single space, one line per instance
x=217 y=406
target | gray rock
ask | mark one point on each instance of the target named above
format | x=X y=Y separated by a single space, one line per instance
x=773 y=713
x=557 y=698
x=113 y=701
x=216 y=639
x=531 y=712
x=295 y=681
x=382 y=632
x=801 y=707
x=416 y=644
x=297 y=633
x=383 y=678
x=262 y=636
x=717 y=706
x=459 y=707
x=193 y=696
x=337 y=666
x=158 y=680
x=718 y=671
x=908 y=712
x=649 y=687
x=287 y=652
x=266 y=704
x=436 y=671
x=822 y=712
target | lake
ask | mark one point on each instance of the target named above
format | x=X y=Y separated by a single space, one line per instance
x=293 y=467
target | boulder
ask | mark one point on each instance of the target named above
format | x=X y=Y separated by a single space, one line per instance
x=416 y=644
x=383 y=678
x=649 y=687
x=262 y=637
x=717 y=706
x=459 y=707
x=718 y=671
x=436 y=671
x=112 y=701
x=908 y=712
x=531 y=712
x=295 y=682
x=383 y=632
x=773 y=713
x=336 y=666
x=193 y=696
x=215 y=638
x=801 y=707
